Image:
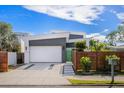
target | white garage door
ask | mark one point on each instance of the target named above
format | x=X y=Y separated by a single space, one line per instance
x=45 y=54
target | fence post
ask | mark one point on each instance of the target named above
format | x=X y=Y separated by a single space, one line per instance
x=96 y=60
x=3 y=61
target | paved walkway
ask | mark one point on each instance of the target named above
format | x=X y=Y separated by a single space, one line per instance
x=35 y=74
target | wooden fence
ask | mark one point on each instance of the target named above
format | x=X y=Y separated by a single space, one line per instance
x=3 y=61
x=98 y=60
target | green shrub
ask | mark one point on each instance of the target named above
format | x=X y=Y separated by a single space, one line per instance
x=112 y=58
x=85 y=63
x=80 y=45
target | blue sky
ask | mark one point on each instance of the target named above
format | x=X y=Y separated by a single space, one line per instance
x=43 y=19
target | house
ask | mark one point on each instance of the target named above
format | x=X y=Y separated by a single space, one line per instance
x=50 y=47
x=119 y=43
x=119 y=46
x=116 y=48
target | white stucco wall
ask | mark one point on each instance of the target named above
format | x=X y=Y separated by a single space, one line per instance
x=88 y=42
x=21 y=41
x=26 y=51
x=22 y=46
x=12 y=58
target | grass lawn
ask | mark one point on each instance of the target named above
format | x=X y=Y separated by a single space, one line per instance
x=79 y=82
x=12 y=67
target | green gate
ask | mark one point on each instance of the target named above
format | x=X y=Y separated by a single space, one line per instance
x=69 y=54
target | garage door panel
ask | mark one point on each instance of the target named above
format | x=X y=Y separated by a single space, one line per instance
x=45 y=54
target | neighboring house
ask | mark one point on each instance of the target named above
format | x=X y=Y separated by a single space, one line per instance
x=50 y=47
x=119 y=46
x=120 y=43
x=116 y=48
x=20 y=36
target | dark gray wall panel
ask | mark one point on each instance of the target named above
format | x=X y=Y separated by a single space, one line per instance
x=70 y=45
x=64 y=54
x=48 y=42
x=72 y=36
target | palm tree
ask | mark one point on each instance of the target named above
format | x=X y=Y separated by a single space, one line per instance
x=8 y=39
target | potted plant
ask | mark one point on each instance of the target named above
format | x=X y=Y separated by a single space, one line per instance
x=85 y=63
x=112 y=58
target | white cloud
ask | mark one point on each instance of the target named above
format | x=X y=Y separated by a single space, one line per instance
x=96 y=36
x=105 y=31
x=92 y=35
x=100 y=38
x=113 y=11
x=82 y=14
x=120 y=16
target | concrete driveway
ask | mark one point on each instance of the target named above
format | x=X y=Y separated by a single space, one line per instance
x=35 y=74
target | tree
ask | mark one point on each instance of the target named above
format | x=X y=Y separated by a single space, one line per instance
x=120 y=32
x=81 y=45
x=117 y=35
x=8 y=39
x=112 y=38
x=97 y=46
